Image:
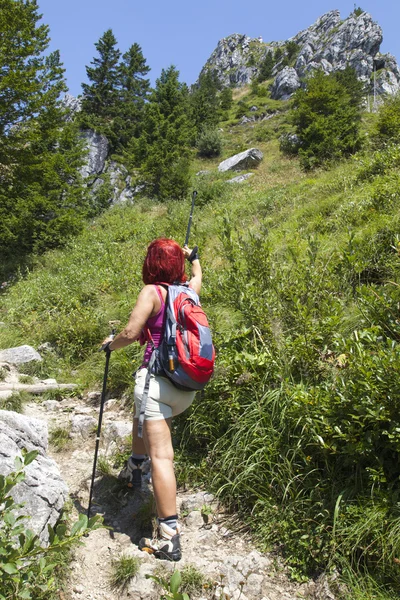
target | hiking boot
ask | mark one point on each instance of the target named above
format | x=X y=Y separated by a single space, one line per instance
x=167 y=546
x=131 y=474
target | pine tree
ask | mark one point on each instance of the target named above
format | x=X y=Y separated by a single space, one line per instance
x=41 y=193
x=162 y=150
x=101 y=96
x=134 y=90
x=327 y=116
x=205 y=102
x=28 y=82
x=266 y=68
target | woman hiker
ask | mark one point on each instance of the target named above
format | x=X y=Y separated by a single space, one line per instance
x=164 y=263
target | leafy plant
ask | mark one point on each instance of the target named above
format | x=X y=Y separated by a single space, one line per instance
x=170 y=586
x=27 y=568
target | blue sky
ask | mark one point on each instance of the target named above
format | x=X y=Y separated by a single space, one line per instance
x=185 y=32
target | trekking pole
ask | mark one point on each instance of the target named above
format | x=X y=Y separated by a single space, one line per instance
x=103 y=397
x=190 y=223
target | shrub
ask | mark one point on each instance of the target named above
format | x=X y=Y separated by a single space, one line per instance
x=226 y=99
x=266 y=67
x=327 y=116
x=289 y=143
x=209 y=143
x=387 y=128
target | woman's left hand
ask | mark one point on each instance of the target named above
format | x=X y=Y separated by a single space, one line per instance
x=107 y=340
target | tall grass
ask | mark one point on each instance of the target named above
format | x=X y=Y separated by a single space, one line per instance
x=299 y=430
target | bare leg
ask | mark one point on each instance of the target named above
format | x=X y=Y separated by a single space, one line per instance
x=159 y=447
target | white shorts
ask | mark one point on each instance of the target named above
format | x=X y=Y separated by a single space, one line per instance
x=164 y=399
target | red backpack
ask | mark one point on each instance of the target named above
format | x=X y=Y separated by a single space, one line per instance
x=186 y=353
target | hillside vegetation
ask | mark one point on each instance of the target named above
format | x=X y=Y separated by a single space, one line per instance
x=299 y=430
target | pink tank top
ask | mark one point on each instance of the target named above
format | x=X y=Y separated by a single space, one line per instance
x=155 y=325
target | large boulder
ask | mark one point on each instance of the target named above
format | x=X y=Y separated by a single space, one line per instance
x=19 y=355
x=249 y=159
x=285 y=84
x=43 y=491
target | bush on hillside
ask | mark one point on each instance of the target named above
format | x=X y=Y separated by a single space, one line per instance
x=209 y=143
x=327 y=116
x=387 y=128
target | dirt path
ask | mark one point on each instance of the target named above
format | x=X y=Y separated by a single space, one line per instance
x=230 y=565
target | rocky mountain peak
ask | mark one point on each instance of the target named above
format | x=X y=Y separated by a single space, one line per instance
x=330 y=44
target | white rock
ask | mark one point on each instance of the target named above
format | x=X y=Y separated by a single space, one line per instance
x=20 y=355
x=249 y=159
x=194 y=520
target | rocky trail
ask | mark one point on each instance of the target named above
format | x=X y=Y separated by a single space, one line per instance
x=214 y=550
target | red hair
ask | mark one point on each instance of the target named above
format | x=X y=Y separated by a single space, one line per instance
x=164 y=262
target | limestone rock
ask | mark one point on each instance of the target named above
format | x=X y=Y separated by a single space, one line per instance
x=194 y=520
x=117 y=430
x=330 y=44
x=83 y=425
x=285 y=84
x=230 y=59
x=240 y=178
x=196 y=501
x=249 y=159
x=97 y=152
x=72 y=104
x=43 y=491
x=19 y=355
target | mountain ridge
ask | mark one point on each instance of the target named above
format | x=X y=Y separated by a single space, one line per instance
x=330 y=44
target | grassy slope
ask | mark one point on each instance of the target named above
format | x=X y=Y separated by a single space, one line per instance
x=336 y=227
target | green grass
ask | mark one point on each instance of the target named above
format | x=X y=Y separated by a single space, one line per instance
x=123 y=570
x=59 y=438
x=16 y=401
x=193 y=581
x=298 y=430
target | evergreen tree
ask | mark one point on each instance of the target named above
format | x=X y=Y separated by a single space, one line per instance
x=266 y=67
x=134 y=90
x=205 y=102
x=41 y=195
x=327 y=116
x=101 y=96
x=162 y=150
x=226 y=99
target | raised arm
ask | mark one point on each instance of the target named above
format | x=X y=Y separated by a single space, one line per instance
x=197 y=275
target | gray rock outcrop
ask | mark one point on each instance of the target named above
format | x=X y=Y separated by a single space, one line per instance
x=97 y=151
x=230 y=60
x=286 y=83
x=97 y=169
x=249 y=159
x=329 y=44
x=19 y=355
x=72 y=104
x=43 y=491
